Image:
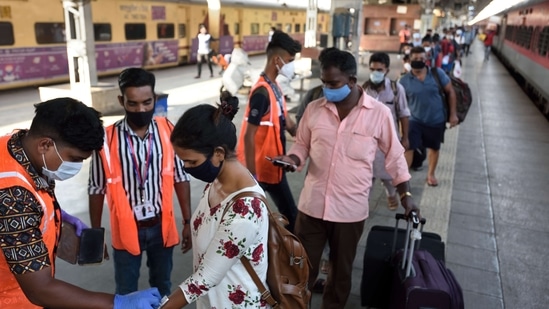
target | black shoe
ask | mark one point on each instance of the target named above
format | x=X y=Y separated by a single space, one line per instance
x=197 y=77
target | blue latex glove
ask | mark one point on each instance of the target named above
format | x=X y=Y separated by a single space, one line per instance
x=146 y=299
x=77 y=223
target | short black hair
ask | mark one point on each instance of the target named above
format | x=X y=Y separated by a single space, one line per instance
x=426 y=39
x=417 y=50
x=342 y=60
x=381 y=58
x=135 y=77
x=203 y=128
x=68 y=121
x=282 y=41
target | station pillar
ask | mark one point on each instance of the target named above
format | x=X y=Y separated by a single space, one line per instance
x=310 y=31
x=84 y=85
x=347 y=24
x=80 y=44
x=214 y=8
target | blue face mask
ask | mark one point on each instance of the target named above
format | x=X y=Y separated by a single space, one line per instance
x=206 y=171
x=336 y=95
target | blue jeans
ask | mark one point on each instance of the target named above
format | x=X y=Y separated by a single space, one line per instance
x=159 y=262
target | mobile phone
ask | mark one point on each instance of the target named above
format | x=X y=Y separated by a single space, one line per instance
x=281 y=163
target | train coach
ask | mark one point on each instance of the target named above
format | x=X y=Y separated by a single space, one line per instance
x=151 y=34
x=522 y=42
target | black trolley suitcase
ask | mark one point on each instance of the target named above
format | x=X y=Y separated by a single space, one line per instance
x=420 y=280
x=375 y=288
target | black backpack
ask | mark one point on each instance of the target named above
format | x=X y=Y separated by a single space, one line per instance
x=464 y=98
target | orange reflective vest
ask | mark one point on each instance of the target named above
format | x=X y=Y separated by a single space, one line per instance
x=13 y=174
x=123 y=223
x=267 y=138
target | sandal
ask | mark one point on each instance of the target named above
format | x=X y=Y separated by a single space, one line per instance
x=432 y=183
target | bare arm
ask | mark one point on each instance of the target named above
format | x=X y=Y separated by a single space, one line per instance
x=177 y=300
x=451 y=95
x=96 y=209
x=45 y=291
x=183 y=192
x=404 y=125
x=249 y=147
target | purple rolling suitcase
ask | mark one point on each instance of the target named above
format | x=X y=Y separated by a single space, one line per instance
x=421 y=281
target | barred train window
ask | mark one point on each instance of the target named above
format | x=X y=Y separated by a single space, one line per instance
x=182 y=28
x=543 y=43
x=165 y=31
x=49 y=33
x=135 y=31
x=102 y=32
x=6 y=28
x=254 y=28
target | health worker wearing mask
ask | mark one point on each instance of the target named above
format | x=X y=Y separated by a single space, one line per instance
x=265 y=121
x=137 y=171
x=338 y=136
x=64 y=132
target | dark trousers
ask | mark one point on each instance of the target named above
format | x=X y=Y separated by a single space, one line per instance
x=283 y=199
x=204 y=58
x=402 y=45
x=465 y=48
x=343 y=240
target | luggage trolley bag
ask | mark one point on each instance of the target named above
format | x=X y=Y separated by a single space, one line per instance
x=375 y=289
x=421 y=281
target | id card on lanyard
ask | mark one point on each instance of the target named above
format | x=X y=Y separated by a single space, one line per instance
x=279 y=98
x=143 y=209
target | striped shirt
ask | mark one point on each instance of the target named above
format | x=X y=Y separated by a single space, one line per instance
x=136 y=151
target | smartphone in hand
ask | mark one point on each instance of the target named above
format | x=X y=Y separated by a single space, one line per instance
x=284 y=165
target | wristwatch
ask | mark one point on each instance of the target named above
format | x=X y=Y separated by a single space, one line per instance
x=186 y=221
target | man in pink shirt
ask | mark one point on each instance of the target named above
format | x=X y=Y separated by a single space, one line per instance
x=340 y=134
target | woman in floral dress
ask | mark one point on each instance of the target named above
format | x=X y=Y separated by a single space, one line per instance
x=205 y=139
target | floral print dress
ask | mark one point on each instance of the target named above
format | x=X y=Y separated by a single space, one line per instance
x=220 y=281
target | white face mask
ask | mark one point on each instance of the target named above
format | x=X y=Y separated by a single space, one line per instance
x=427 y=49
x=407 y=67
x=65 y=171
x=287 y=69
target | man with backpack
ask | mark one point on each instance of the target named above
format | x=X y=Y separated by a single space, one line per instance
x=393 y=95
x=428 y=109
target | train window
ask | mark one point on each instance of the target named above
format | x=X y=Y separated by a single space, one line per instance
x=102 y=32
x=254 y=28
x=266 y=28
x=236 y=28
x=165 y=31
x=279 y=26
x=6 y=38
x=543 y=42
x=305 y=28
x=297 y=28
x=135 y=31
x=288 y=28
x=49 y=33
x=182 y=30
x=528 y=37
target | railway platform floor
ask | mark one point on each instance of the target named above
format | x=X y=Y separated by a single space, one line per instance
x=490 y=206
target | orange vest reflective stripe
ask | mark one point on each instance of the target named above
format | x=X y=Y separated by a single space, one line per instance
x=123 y=223
x=267 y=138
x=13 y=174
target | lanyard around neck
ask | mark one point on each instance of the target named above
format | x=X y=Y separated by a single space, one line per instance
x=277 y=93
x=141 y=177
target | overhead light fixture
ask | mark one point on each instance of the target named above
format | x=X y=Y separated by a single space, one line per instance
x=495 y=7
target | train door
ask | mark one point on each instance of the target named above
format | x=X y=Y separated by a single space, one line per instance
x=183 y=34
x=501 y=34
